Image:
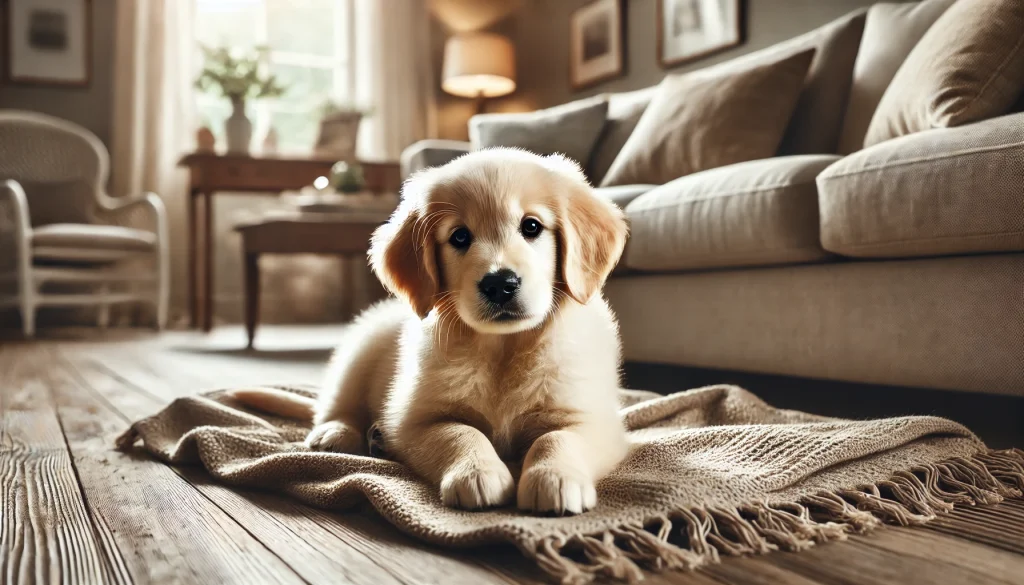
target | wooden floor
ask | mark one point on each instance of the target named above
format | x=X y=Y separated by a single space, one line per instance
x=75 y=510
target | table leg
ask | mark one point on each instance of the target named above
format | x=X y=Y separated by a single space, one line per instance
x=252 y=294
x=348 y=287
x=193 y=282
x=208 y=262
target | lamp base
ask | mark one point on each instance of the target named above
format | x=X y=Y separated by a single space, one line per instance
x=478 y=104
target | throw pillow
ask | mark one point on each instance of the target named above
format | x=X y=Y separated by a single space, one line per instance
x=711 y=118
x=969 y=66
x=890 y=33
x=624 y=111
x=570 y=129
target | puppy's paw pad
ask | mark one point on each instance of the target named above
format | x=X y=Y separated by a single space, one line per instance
x=478 y=486
x=546 y=489
x=335 y=436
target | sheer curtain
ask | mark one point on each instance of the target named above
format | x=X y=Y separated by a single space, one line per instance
x=392 y=73
x=152 y=122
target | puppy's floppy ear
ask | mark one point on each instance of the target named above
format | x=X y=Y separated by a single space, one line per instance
x=592 y=233
x=402 y=251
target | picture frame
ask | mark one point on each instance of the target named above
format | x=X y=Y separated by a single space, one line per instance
x=689 y=30
x=48 y=42
x=597 y=48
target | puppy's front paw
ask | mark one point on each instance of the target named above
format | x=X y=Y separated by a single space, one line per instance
x=478 y=485
x=335 y=436
x=548 y=489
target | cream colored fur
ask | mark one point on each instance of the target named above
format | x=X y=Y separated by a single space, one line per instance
x=472 y=404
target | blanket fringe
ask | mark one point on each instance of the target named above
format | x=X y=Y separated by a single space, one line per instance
x=689 y=538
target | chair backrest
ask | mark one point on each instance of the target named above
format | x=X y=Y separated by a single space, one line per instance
x=61 y=165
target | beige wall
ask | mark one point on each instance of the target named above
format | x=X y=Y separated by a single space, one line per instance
x=90 y=106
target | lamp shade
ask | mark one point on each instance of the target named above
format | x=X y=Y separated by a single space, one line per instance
x=479 y=65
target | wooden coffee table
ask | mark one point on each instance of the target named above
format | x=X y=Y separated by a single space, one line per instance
x=346 y=235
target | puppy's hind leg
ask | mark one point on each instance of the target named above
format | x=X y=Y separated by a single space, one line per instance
x=341 y=417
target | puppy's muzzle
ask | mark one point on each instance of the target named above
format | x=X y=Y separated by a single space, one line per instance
x=499 y=288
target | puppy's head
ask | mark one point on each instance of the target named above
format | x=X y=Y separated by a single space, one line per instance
x=498 y=237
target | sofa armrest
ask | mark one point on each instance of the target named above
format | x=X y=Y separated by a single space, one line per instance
x=933 y=193
x=431 y=153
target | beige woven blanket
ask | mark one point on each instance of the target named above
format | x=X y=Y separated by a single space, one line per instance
x=711 y=471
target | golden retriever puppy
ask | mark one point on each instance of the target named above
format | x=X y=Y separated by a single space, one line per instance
x=500 y=347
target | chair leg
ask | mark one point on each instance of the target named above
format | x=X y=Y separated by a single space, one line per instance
x=103 y=309
x=28 y=290
x=28 y=318
x=163 y=284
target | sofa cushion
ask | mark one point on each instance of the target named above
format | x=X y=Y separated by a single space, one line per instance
x=969 y=66
x=815 y=124
x=624 y=111
x=103 y=237
x=570 y=129
x=711 y=118
x=622 y=195
x=942 y=191
x=890 y=33
x=749 y=214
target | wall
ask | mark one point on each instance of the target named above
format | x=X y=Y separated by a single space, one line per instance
x=542 y=44
x=90 y=106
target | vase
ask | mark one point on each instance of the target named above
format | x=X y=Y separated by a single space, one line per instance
x=238 y=128
x=205 y=140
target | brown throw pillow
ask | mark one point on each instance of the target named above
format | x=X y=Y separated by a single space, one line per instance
x=890 y=34
x=711 y=118
x=969 y=66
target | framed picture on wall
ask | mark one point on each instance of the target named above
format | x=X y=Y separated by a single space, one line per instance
x=596 y=48
x=691 y=29
x=48 y=42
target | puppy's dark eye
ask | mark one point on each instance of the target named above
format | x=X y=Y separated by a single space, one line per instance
x=461 y=239
x=530 y=227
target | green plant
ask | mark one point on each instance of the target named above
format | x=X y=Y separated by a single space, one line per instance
x=237 y=74
x=347 y=178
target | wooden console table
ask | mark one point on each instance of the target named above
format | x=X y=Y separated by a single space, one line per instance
x=215 y=174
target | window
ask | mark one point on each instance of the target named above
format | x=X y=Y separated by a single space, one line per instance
x=309 y=52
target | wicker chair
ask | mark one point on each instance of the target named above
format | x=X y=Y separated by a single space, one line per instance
x=59 y=227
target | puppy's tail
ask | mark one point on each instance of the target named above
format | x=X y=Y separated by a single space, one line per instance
x=277 y=402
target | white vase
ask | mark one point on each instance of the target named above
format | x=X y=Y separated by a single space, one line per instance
x=238 y=128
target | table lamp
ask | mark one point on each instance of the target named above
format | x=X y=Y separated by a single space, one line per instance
x=479 y=65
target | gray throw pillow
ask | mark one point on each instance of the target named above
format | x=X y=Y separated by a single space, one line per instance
x=571 y=129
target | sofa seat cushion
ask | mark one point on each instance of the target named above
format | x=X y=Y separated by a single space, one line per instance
x=623 y=195
x=754 y=213
x=100 y=237
x=942 y=191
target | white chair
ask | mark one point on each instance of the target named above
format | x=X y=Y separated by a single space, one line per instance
x=59 y=225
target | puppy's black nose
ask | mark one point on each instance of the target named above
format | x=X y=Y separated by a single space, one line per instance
x=500 y=286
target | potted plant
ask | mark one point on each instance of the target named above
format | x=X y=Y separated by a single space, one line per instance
x=237 y=75
x=339 y=129
x=347 y=178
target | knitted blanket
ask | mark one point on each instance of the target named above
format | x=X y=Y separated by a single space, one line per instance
x=711 y=471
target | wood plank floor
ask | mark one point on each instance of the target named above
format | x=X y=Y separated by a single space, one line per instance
x=75 y=510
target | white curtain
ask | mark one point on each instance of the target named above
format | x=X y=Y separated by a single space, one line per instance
x=392 y=73
x=153 y=100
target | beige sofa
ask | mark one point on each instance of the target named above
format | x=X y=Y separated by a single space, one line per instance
x=899 y=264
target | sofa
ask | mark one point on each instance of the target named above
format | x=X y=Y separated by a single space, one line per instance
x=900 y=263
